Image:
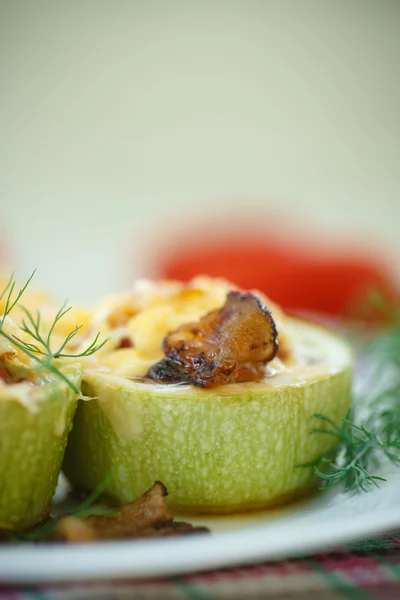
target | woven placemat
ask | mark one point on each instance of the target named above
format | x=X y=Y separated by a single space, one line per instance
x=363 y=571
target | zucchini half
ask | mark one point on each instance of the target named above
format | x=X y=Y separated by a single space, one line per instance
x=231 y=448
x=34 y=426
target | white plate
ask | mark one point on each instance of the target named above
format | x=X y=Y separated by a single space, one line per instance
x=319 y=523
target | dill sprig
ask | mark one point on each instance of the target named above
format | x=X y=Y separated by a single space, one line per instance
x=369 y=435
x=86 y=508
x=39 y=347
x=9 y=290
x=358 y=450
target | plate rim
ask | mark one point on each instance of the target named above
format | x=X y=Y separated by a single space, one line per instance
x=138 y=559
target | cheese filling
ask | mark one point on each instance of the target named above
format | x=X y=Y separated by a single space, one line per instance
x=136 y=323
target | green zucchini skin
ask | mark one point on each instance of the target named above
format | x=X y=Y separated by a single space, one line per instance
x=32 y=445
x=215 y=451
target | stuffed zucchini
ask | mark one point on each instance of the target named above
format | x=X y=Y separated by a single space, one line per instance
x=35 y=420
x=206 y=389
x=39 y=389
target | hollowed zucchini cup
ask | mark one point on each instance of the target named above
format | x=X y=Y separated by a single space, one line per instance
x=35 y=420
x=232 y=448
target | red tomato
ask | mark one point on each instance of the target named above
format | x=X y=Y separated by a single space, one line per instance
x=289 y=276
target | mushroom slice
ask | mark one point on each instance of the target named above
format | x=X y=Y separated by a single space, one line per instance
x=149 y=516
x=229 y=345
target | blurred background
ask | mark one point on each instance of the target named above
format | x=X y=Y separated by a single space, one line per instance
x=254 y=139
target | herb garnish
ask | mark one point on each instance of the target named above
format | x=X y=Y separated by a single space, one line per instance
x=39 y=348
x=87 y=508
x=369 y=435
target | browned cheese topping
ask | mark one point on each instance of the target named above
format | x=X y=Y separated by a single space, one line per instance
x=229 y=345
x=4 y=374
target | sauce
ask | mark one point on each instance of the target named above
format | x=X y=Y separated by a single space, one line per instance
x=300 y=501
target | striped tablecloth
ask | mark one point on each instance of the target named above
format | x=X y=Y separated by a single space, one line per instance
x=364 y=571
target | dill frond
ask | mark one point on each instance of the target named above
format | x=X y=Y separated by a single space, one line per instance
x=38 y=347
x=369 y=435
x=86 y=508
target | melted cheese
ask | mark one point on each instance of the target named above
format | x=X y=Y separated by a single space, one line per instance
x=32 y=299
x=151 y=311
x=18 y=364
x=38 y=300
x=11 y=356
